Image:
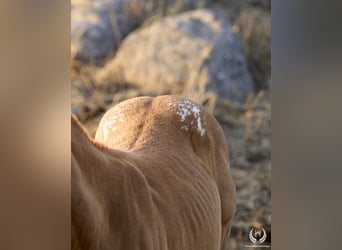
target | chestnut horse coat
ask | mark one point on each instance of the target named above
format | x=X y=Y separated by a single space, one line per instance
x=156 y=177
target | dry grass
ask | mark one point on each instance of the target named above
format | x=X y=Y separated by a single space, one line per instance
x=195 y=87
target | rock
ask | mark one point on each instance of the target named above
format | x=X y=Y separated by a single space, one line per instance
x=262 y=3
x=193 y=52
x=98 y=26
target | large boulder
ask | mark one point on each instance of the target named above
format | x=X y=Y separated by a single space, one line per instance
x=196 y=51
x=261 y=3
x=98 y=26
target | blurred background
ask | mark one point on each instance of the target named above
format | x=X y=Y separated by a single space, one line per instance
x=215 y=52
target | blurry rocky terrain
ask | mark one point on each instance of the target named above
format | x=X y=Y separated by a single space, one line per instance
x=216 y=53
x=183 y=52
x=99 y=26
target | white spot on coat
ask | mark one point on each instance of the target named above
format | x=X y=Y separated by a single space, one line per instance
x=187 y=108
x=185 y=128
x=108 y=123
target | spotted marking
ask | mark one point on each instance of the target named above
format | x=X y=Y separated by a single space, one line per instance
x=109 y=122
x=184 y=128
x=187 y=108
